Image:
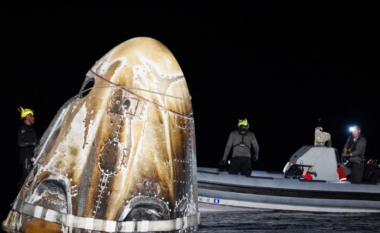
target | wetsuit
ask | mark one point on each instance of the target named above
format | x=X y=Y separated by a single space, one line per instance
x=241 y=154
x=27 y=140
x=357 y=149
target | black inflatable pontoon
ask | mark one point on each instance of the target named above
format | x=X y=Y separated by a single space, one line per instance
x=265 y=190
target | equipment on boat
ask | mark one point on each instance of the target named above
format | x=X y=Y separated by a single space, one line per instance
x=320 y=137
x=292 y=189
x=322 y=160
x=372 y=171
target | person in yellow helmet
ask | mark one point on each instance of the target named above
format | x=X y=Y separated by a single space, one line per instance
x=27 y=141
x=241 y=141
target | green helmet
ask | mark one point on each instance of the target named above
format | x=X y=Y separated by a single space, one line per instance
x=243 y=122
x=25 y=112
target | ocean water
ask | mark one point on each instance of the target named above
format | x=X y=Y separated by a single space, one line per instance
x=286 y=221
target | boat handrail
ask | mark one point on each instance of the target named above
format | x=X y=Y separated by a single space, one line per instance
x=303 y=165
x=216 y=173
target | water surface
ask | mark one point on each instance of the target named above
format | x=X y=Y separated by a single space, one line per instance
x=287 y=221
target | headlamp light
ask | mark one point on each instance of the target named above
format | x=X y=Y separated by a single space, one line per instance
x=352 y=129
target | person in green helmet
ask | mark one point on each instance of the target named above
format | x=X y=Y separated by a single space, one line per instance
x=27 y=141
x=241 y=141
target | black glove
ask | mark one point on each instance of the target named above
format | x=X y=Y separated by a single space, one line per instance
x=255 y=158
x=222 y=163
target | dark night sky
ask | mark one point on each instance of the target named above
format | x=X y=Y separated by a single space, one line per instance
x=281 y=66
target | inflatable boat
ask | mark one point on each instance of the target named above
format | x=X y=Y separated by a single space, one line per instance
x=324 y=192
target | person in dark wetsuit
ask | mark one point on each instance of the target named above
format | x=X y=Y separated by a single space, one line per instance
x=240 y=141
x=27 y=141
x=354 y=151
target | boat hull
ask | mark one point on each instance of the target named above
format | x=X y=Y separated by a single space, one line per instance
x=269 y=191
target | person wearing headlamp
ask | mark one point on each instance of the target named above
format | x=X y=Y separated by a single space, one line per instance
x=354 y=151
x=241 y=141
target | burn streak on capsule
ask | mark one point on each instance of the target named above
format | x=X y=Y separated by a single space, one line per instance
x=120 y=158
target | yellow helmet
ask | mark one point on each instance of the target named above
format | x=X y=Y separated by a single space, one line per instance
x=25 y=112
x=243 y=122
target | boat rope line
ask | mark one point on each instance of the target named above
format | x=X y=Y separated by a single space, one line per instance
x=69 y=220
x=131 y=92
x=277 y=206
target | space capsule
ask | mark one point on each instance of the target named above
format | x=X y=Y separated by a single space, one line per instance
x=119 y=156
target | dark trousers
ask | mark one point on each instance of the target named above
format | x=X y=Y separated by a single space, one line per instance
x=26 y=167
x=240 y=164
x=357 y=172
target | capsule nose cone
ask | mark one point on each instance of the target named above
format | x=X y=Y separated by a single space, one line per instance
x=147 y=68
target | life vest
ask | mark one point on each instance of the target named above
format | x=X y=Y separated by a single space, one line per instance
x=242 y=143
x=351 y=146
